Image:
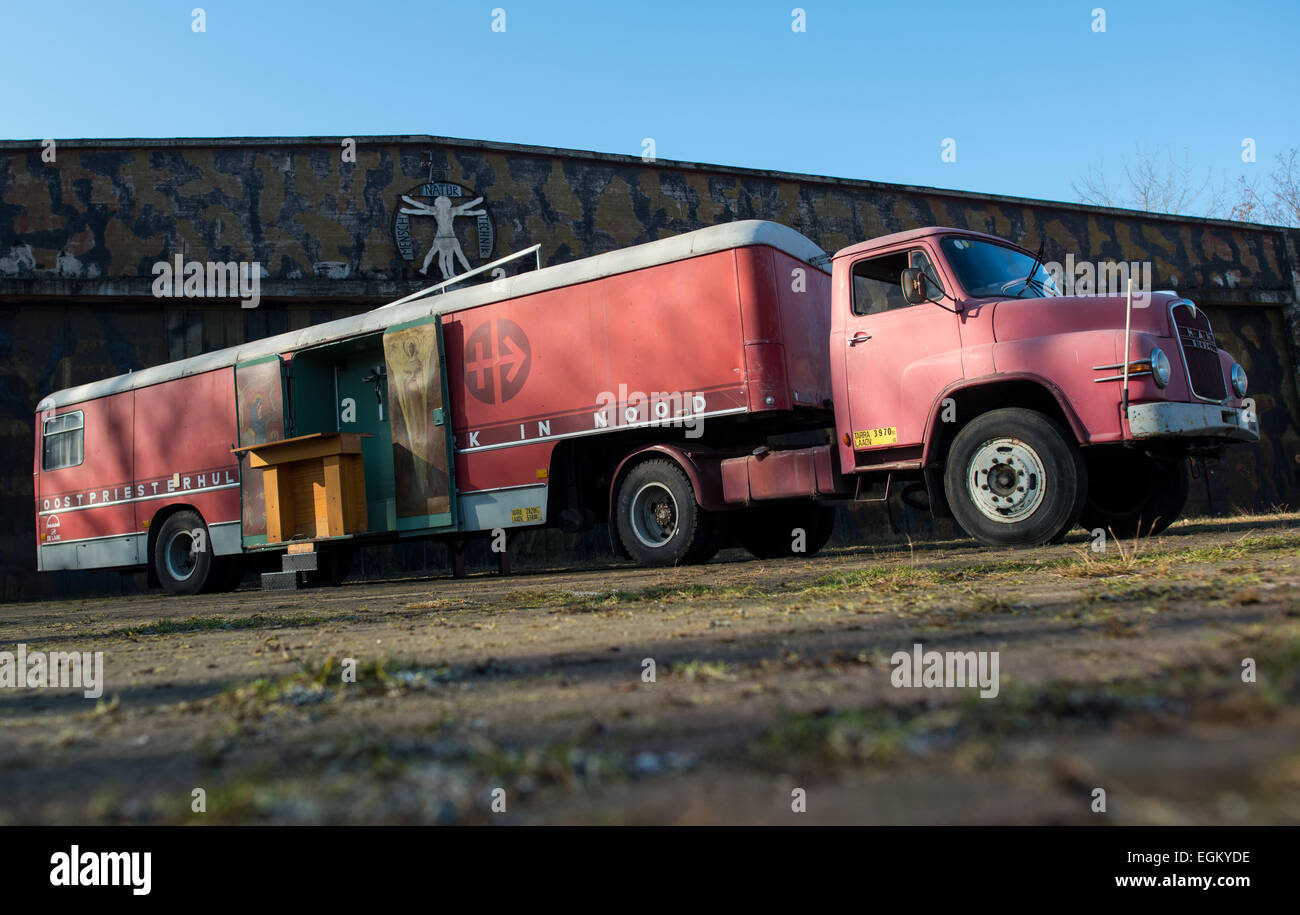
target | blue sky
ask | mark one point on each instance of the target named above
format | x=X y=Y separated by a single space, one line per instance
x=1031 y=94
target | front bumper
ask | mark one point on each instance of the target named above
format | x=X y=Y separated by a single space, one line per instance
x=1191 y=420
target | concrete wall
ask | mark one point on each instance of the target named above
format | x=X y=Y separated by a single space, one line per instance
x=79 y=237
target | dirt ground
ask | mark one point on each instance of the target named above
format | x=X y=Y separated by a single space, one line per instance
x=770 y=689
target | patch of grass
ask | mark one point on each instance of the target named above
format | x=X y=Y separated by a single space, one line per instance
x=226 y=623
x=1128 y=592
x=702 y=671
x=1115 y=559
x=1140 y=555
x=985 y=604
x=545 y=764
x=876 y=579
x=850 y=737
x=981 y=570
x=886 y=735
x=659 y=594
x=1118 y=627
x=334 y=680
x=1247 y=545
x=871 y=580
x=436 y=603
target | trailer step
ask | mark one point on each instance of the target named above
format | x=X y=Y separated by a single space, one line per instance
x=280 y=581
x=299 y=562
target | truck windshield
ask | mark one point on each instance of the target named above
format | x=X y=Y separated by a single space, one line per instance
x=988 y=269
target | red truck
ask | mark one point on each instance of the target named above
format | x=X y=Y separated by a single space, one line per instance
x=732 y=382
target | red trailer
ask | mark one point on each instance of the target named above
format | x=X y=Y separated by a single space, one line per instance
x=521 y=402
x=722 y=382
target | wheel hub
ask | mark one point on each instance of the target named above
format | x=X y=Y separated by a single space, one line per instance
x=180 y=555
x=654 y=515
x=1005 y=479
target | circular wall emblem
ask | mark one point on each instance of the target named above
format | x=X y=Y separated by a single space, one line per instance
x=497 y=359
x=444 y=225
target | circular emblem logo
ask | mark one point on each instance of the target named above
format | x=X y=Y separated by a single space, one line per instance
x=497 y=359
x=444 y=225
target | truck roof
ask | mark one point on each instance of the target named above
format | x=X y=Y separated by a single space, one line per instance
x=739 y=234
x=912 y=235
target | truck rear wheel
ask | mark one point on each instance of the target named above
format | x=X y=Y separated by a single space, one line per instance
x=1014 y=477
x=768 y=531
x=183 y=558
x=1132 y=493
x=659 y=520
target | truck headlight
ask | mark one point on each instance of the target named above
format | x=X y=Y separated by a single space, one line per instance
x=1239 y=380
x=1159 y=366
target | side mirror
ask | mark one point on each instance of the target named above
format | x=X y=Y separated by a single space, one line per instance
x=916 y=288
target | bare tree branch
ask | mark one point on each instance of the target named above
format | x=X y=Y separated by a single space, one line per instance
x=1156 y=185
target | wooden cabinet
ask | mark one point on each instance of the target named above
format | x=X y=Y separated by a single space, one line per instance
x=314 y=485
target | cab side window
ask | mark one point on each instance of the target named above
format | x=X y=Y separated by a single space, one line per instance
x=63 y=441
x=877 y=281
x=876 y=285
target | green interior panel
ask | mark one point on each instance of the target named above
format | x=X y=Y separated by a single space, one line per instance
x=331 y=394
x=312 y=386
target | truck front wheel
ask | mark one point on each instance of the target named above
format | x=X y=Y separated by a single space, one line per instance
x=1132 y=493
x=659 y=521
x=1014 y=477
x=182 y=555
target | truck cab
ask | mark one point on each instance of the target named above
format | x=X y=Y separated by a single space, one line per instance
x=956 y=359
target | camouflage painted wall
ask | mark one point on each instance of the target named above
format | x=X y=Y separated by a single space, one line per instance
x=80 y=235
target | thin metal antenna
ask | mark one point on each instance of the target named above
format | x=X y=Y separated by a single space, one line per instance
x=1128 y=323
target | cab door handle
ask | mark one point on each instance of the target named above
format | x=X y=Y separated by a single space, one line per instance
x=859 y=337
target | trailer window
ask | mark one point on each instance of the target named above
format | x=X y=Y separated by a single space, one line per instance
x=63 y=441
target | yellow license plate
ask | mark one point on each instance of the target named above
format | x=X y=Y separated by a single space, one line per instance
x=525 y=515
x=868 y=438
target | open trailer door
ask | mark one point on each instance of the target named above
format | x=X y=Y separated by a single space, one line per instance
x=423 y=469
x=260 y=409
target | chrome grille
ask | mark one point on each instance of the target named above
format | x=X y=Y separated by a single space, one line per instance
x=1200 y=352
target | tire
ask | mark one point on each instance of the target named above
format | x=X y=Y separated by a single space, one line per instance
x=767 y=531
x=182 y=569
x=658 y=519
x=1132 y=493
x=1040 y=481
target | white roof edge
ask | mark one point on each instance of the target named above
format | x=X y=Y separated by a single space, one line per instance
x=739 y=234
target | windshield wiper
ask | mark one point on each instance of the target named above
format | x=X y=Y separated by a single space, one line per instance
x=1029 y=277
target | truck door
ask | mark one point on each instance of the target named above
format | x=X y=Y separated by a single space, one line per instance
x=421 y=436
x=899 y=357
x=260 y=413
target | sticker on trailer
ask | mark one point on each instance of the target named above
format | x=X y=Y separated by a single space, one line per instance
x=525 y=515
x=868 y=438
